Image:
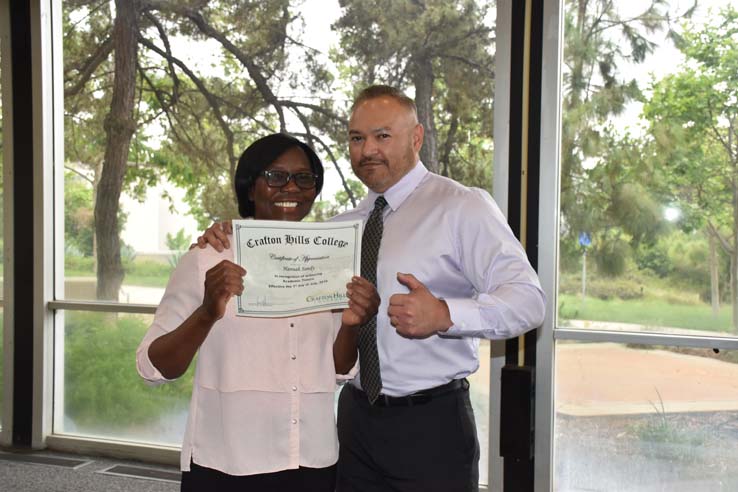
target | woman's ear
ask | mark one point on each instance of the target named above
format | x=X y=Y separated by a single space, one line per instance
x=251 y=193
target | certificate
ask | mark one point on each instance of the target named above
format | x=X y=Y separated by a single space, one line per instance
x=295 y=267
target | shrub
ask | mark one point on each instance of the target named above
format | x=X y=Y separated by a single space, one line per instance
x=611 y=254
x=102 y=388
x=148 y=268
x=624 y=288
x=80 y=264
x=654 y=258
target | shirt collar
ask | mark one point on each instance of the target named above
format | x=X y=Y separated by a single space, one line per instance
x=398 y=192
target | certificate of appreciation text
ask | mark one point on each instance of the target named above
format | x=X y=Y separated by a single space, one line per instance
x=295 y=267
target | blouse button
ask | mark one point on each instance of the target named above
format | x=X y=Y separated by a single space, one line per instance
x=294 y=421
x=294 y=388
x=293 y=357
x=292 y=325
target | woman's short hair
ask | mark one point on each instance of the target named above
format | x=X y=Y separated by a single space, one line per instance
x=258 y=156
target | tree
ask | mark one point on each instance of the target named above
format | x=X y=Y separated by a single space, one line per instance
x=324 y=209
x=78 y=214
x=599 y=39
x=119 y=125
x=619 y=203
x=206 y=118
x=443 y=51
x=693 y=118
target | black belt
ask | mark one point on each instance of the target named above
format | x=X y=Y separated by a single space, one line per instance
x=419 y=397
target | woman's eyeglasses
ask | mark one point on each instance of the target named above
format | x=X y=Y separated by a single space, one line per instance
x=277 y=179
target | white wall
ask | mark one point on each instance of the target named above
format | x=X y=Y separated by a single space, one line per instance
x=148 y=223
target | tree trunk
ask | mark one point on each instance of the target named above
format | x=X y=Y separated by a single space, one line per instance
x=119 y=128
x=423 y=79
x=733 y=290
x=734 y=261
x=714 y=277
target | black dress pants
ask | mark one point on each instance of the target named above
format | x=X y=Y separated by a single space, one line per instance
x=429 y=447
x=202 y=479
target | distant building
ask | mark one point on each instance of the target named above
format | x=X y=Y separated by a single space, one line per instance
x=149 y=222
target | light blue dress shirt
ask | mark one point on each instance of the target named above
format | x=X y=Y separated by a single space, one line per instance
x=456 y=241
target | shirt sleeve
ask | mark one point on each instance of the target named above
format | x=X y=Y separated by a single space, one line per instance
x=182 y=296
x=509 y=300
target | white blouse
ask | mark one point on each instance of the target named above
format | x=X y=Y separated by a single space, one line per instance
x=263 y=394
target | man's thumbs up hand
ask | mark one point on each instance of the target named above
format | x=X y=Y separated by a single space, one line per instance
x=417 y=314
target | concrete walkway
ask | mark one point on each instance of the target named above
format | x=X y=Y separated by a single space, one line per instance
x=611 y=379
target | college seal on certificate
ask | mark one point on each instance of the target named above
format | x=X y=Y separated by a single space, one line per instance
x=295 y=267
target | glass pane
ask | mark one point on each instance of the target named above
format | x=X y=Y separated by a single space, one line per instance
x=153 y=238
x=647 y=210
x=98 y=392
x=136 y=196
x=133 y=202
x=633 y=417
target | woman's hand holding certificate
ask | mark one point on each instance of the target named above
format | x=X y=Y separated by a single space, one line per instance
x=295 y=267
x=222 y=282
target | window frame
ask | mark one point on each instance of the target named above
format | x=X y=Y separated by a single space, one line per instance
x=6 y=299
x=548 y=260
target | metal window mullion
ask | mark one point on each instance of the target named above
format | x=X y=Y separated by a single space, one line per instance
x=501 y=173
x=548 y=236
x=6 y=436
x=45 y=70
x=104 y=307
x=665 y=339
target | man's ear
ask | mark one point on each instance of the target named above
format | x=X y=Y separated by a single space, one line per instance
x=418 y=134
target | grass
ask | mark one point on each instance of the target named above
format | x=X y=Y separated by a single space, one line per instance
x=648 y=312
x=144 y=281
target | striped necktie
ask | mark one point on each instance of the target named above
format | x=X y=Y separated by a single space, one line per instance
x=371 y=377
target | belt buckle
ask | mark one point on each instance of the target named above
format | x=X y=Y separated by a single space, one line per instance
x=418 y=399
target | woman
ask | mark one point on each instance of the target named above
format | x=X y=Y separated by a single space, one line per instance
x=261 y=415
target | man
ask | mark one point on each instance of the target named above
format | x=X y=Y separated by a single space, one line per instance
x=449 y=271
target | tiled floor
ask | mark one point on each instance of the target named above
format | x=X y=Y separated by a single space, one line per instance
x=45 y=471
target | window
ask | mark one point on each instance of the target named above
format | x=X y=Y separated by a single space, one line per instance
x=635 y=417
x=99 y=392
x=200 y=92
x=645 y=291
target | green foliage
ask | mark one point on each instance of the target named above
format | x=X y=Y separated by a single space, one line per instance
x=599 y=39
x=79 y=221
x=148 y=268
x=611 y=253
x=442 y=50
x=325 y=209
x=178 y=244
x=654 y=258
x=661 y=436
x=691 y=161
x=102 y=389
x=127 y=255
x=691 y=115
x=645 y=312
x=75 y=265
x=2 y=361
x=622 y=288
